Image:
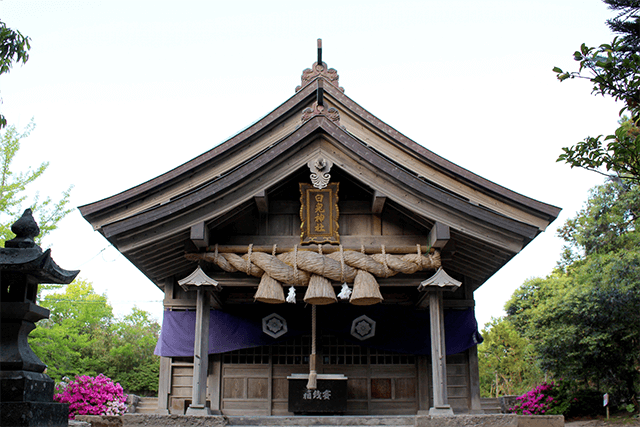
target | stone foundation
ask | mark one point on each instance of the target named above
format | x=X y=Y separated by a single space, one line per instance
x=501 y=420
x=540 y=420
x=497 y=420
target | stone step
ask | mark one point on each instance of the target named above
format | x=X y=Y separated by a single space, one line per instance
x=147 y=405
x=320 y=420
x=491 y=405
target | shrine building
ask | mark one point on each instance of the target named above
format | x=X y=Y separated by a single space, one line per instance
x=319 y=262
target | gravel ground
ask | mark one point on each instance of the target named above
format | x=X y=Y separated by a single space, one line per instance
x=609 y=423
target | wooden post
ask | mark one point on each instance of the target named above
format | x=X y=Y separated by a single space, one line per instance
x=200 y=356
x=214 y=382
x=423 y=385
x=438 y=356
x=475 y=404
x=164 y=385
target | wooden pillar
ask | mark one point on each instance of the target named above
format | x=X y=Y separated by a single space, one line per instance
x=200 y=356
x=164 y=379
x=423 y=385
x=475 y=405
x=214 y=383
x=438 y=356
x=164 y=385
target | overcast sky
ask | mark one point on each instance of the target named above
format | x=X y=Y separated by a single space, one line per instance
x=122 y=91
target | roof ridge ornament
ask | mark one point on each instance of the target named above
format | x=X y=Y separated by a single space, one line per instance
x=319 y=69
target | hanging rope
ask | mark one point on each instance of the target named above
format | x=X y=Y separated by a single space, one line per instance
x=312 y=384
x=296 y=267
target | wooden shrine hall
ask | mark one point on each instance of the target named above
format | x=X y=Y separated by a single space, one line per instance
x=319 y=262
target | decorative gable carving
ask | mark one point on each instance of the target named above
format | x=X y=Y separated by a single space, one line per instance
x=321 y=110
x=320 y=70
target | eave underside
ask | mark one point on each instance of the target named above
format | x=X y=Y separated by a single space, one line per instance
x=156 y=240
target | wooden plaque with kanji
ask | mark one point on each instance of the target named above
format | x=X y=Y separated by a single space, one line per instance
x=319 y=214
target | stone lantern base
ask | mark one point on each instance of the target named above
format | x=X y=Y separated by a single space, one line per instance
x=26 y=401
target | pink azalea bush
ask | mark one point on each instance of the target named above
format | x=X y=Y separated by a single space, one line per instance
x=539 y=401
x=88 y=395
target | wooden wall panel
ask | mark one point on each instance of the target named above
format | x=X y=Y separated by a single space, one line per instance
x=458 y=383
x=381 y=388
x=281 y=225
x=257 y=388
x=357 y=389
x=280 y=388
x=233 y=388
x=405 y=388
x=245 y=390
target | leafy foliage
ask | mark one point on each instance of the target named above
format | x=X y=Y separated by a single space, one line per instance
x=507 y=360
x=614 y=72
x=606 y=224
x=69 y=340
x=14 y=48
x=131 y=358
x=13 y=189
x=583 y=319
x=88 y=395
x=627 y=22
x=82 y=337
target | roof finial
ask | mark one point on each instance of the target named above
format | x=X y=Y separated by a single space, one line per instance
x=319 y=69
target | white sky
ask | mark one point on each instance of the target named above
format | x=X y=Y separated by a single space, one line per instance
x=122 y=91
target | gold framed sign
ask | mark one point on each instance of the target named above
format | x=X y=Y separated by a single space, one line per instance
x=319 y=214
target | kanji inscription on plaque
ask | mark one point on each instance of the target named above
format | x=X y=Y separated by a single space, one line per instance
x=319 y=214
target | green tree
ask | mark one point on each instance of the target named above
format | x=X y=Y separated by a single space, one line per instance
x=69 y=341
x=131 y=360
x=584 y=319
x=627 y=22
x=613 y=70
x=589 y=332
x=14 y=192
x=82 y=337
x=14 y=48
x=507 y=361
x=607 y=223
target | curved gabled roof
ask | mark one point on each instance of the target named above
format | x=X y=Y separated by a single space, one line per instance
x=147 y=222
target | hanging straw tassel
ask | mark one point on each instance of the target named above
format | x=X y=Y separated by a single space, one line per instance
x=269 y=291
x=320 y=291
x=366 y=290
x=312 y=384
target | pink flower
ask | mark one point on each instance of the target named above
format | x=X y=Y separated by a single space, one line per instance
x=93 y=396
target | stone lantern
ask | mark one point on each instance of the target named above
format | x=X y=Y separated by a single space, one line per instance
x=26 y=392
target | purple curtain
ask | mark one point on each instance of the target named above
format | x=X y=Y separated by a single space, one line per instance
x=399 y=329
